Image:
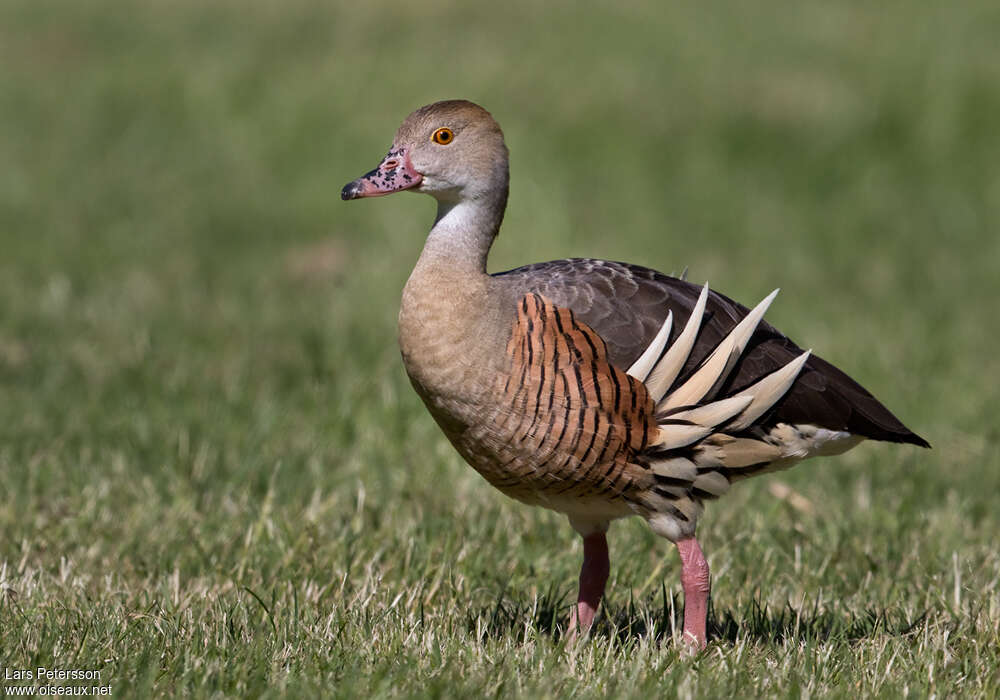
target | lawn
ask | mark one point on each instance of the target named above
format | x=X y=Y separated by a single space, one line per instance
x=215 y=479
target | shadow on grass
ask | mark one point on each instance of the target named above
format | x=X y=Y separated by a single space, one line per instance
x=755 y=622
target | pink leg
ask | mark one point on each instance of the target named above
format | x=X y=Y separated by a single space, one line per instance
x=696 y=583
x=593 y=577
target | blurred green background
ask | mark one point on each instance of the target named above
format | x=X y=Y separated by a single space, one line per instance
x=214 y=476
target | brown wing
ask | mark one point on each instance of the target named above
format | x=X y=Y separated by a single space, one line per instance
x=627 y=304
x=569 y=423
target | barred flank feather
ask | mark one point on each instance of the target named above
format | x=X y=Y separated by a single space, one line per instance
x=568 y=422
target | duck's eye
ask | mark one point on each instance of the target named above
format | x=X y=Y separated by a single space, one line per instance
x=443 y=136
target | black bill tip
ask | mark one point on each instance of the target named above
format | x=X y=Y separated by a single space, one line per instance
x=350 y=191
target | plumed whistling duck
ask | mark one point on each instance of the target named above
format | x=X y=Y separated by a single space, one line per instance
x=597 y=389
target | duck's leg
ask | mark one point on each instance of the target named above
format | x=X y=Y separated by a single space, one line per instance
x=697 y=585
x=593 y=577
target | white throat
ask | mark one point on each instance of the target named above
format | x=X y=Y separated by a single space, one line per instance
x=462 y=234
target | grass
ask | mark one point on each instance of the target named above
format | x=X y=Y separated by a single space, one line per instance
x=215 y=480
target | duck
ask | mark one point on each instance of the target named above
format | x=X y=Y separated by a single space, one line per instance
x=597 y=389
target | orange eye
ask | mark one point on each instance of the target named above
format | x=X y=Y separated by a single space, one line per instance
x=443 y=136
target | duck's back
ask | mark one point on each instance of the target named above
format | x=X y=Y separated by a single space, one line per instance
x=627 y=304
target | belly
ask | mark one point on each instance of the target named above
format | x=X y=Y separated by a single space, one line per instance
x=487 y=438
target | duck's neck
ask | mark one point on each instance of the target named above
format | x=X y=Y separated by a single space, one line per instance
x=463 y=233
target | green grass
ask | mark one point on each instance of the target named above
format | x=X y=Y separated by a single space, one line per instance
x=215 y=479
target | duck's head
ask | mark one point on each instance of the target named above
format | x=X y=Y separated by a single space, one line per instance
x=452 y=150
